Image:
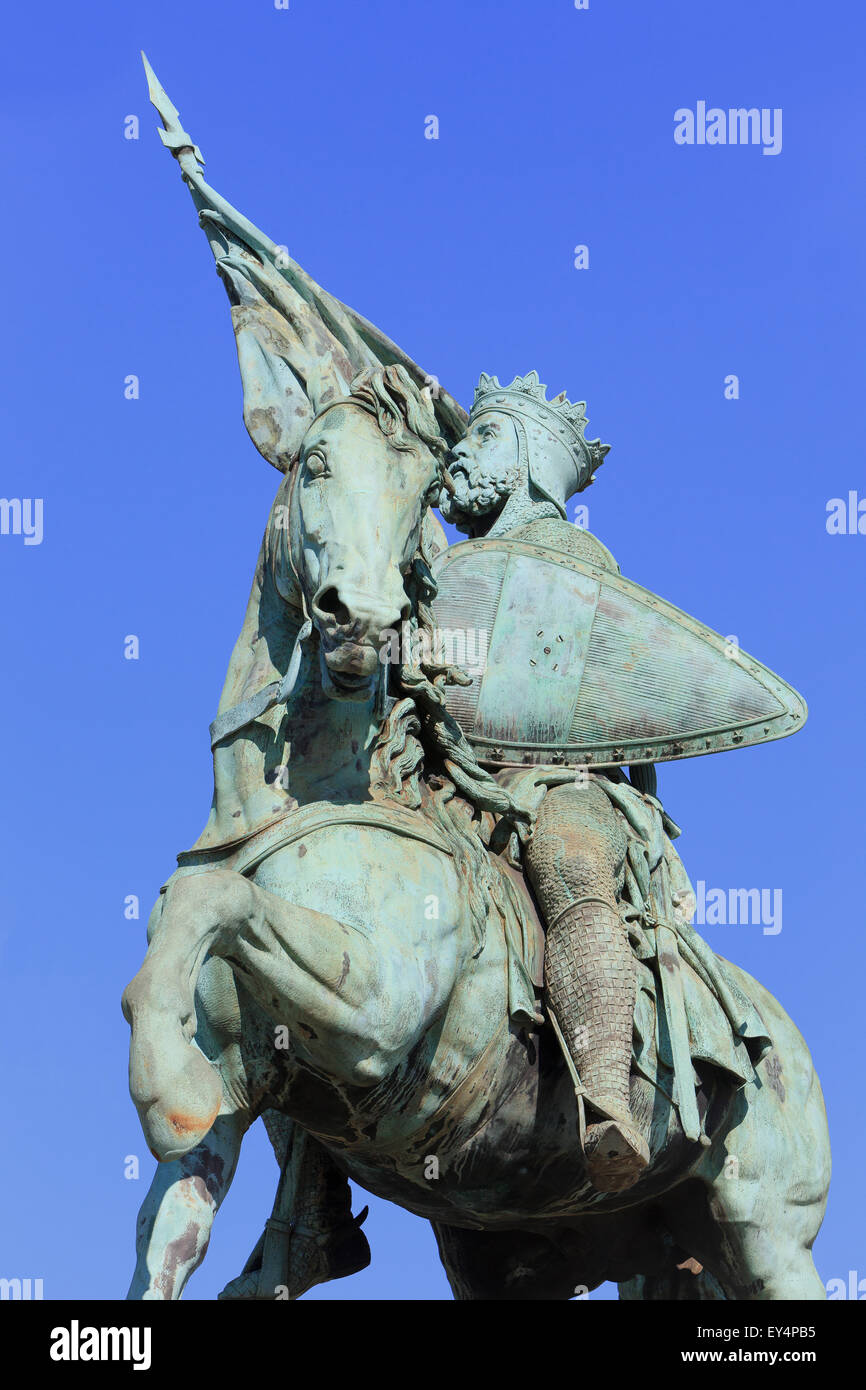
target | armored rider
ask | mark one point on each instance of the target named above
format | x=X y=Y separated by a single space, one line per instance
x=597 y=841
x=520 y=461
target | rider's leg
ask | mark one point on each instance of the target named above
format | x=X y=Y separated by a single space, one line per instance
x=311 y=1236
x=575 y=860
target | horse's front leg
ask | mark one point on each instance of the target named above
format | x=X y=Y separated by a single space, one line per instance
x=176 y=1217
x=350 y=1008
x=159 y=1005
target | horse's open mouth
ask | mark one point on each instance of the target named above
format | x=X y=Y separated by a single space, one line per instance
x=341 y=681
x=348 y=672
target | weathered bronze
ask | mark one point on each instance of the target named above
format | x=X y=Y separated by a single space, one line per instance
x=619 y=677
x=431 y=933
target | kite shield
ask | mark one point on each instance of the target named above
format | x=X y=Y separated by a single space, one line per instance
x=575 y=664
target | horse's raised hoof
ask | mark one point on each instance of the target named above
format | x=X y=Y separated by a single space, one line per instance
x=615 y=1155
x=177 y=1092
x=173 y=1128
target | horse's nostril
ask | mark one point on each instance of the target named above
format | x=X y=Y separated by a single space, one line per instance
x=329 y=602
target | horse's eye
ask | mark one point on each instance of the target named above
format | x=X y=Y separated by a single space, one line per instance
x=315 y=465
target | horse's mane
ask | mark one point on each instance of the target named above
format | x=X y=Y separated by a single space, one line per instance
x=422 y=757
x=400 y=408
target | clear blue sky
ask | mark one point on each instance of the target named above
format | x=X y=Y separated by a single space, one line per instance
x=556 y=128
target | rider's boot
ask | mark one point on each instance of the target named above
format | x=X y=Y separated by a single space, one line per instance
x=310 y=1238
x=326 y=1239
x=591 y=986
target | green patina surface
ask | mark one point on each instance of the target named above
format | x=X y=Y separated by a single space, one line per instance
x=431 y=933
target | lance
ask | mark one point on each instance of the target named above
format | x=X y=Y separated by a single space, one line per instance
x=215 y=213
x=224 y=227
x=173 y=136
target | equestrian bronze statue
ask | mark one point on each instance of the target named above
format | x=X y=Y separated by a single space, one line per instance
x=436 y=933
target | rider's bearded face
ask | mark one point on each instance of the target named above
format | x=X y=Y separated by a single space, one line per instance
x=484 y=467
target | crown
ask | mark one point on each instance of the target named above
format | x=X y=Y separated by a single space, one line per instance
x=565 y=419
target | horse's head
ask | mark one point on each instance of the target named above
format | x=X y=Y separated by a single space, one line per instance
x=368 y=468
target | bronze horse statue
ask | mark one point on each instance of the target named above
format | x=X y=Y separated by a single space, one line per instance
x=363 y=962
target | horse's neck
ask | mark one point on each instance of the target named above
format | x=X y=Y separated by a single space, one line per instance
x=330 y=741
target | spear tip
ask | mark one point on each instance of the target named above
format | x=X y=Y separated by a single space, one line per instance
x=174 y=137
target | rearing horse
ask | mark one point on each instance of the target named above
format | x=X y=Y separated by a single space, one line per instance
x=357 y=957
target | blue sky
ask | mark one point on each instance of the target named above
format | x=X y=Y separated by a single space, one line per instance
x=555 y=129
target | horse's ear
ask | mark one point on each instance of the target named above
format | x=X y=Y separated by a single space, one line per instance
x=277 y=410
x=291 y=365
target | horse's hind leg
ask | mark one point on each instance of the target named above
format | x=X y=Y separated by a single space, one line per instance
x=750 y=1235
x=678 y=1285
x=764 y=1249
x=758 y=1202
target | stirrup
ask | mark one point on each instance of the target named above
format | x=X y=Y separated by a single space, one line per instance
x=615 y=1154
